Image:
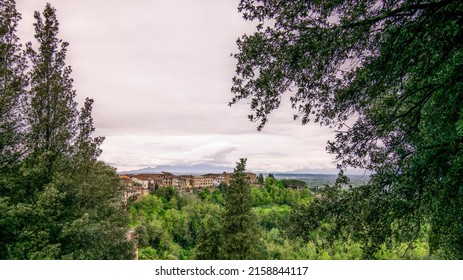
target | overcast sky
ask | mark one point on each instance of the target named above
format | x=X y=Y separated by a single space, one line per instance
x=160 y=73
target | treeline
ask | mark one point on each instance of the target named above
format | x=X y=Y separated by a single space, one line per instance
x=206 y=225
x=57 y=201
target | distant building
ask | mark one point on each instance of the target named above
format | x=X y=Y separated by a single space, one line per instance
x=217 y=179
x=126 y=180
x=184 y=183
x=133 y=187
x=200 y=182
x=141 y=184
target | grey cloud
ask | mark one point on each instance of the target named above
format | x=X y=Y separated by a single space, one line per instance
x=160 y=74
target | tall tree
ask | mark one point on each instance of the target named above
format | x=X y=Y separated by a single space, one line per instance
x=52 y=116
x=12 y=86
x=240 y=230
x=12 y=92
x=386 y=74
x=260 y=179
x=64 y=203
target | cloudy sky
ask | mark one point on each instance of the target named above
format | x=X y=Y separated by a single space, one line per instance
x=160 y=73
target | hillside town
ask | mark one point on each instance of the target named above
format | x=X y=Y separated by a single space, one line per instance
x=138 y=185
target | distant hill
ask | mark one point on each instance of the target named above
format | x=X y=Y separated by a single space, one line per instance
x=181 y=169
x=316 y=180
x=327 y=171
x=312 y=171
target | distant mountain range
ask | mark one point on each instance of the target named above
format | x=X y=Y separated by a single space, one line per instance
x=181 y=169
x=206 y=168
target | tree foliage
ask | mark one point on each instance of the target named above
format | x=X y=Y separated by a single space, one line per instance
x=12 y=86
x=59 y=202
x=384 y=73
x=210 y=239
x=52 y=114
x=195 y=229
x=241 y=234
